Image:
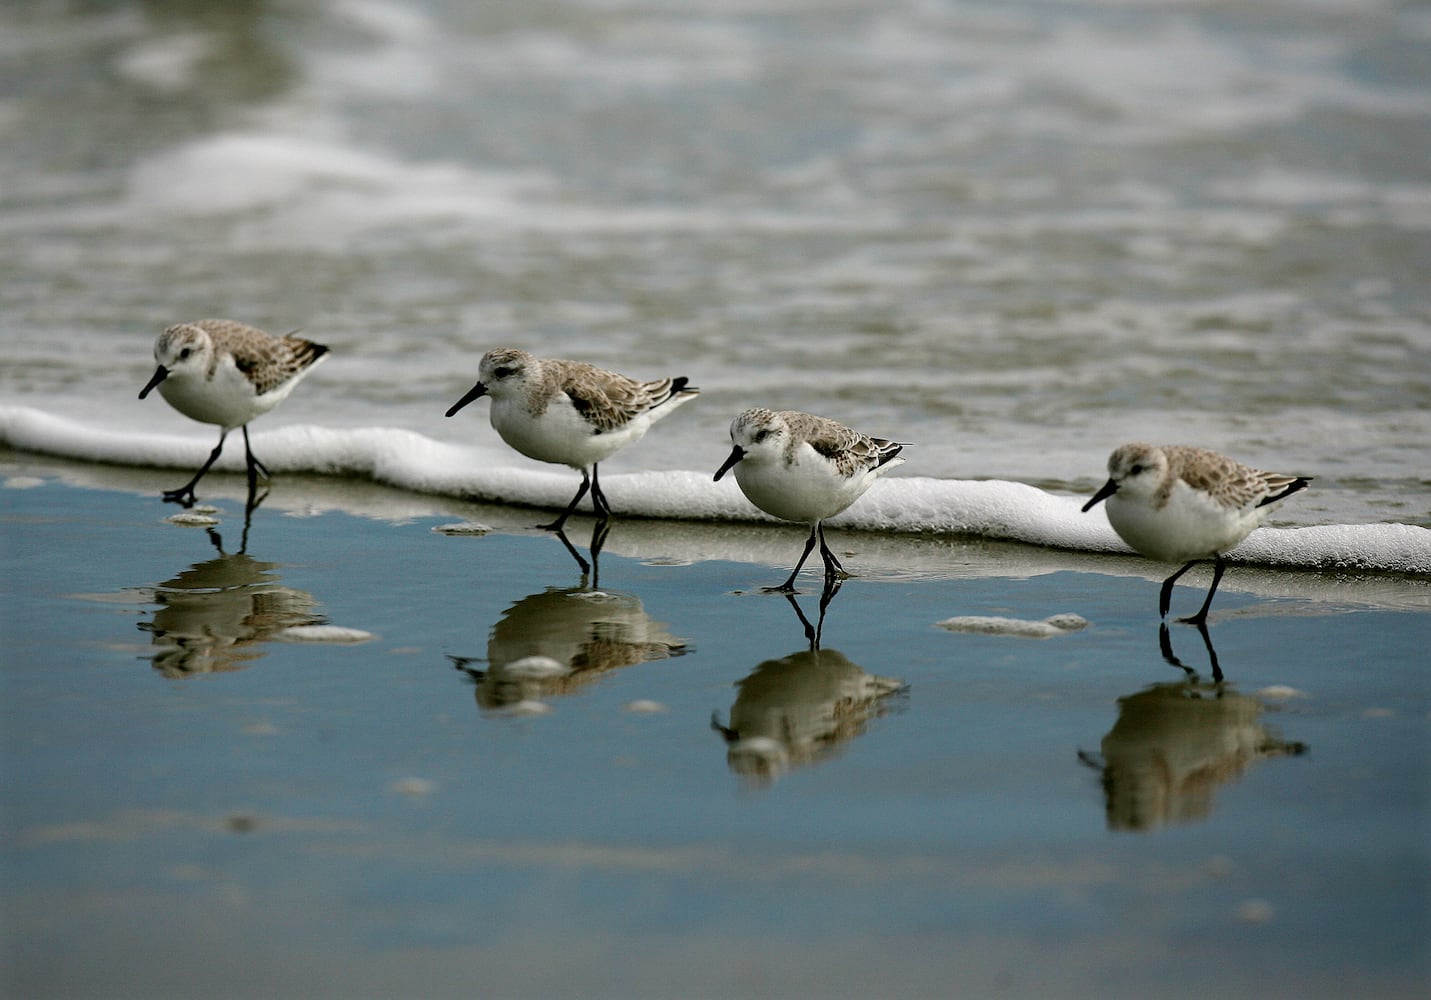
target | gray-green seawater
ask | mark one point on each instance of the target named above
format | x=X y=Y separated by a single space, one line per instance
x=200 y=802
x=1014 y=234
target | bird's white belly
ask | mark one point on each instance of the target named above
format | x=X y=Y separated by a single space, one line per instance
x=227 y=399
x=560 y=435
x=803 y=492
x=1186 y=528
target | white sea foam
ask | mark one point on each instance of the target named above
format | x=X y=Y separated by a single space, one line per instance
x=192 y=519
x=317 y=192
x=1024 y=628
x=911 y=505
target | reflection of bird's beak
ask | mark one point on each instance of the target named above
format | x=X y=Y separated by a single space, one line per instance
x=1109 y=488
x=736 y=454
x=160 y=374
x=476 y=392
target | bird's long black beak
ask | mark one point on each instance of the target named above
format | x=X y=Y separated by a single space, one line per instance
x=1108 y=489
x=736 y=454
x=160 y=374
x=476 y=392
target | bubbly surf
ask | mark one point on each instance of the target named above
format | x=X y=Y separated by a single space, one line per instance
x=994 y=509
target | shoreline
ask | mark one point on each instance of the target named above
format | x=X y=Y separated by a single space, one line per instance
x=877 y=556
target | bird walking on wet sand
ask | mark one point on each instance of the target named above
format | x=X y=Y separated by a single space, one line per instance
x=570 y=413
x=1182 y=504
x=800 y=467
x=219 y=371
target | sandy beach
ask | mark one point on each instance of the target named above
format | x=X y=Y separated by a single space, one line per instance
x=366 y=747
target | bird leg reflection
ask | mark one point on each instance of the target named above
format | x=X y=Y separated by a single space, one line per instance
x=218 y=539
x=813 y=632
x=599 y=531
x=1165 y=646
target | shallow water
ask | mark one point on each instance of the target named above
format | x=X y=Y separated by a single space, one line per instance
x=196 y=804
x=1013 y=235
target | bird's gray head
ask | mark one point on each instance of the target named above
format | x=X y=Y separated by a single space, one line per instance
x=182 y=350
x=1134 y=468
x=757 y=434
x=502 y=370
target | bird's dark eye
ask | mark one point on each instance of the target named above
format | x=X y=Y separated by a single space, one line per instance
x=184 y=354
x=760 y=436
x=1135 y=470
x=502 y=372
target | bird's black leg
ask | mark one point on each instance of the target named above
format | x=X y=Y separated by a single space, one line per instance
x=599 y=505
x=1165 y=597
x=788 y=587
x=254 y=467
x=560 y=522
x=1200 y=619
x=184 y=495
x=833 y=569
x=252 y=459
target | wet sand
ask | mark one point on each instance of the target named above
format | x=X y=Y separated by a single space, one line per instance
x=337 y=752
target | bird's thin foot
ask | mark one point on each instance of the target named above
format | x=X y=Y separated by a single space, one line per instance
x=183 y=496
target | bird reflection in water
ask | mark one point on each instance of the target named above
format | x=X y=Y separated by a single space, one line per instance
x=599 y=531
x=215 y=615
x=801 y=708
x=561 y=639
x=1175 y=743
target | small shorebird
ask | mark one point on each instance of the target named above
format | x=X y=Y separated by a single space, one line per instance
x=800 y=467
x=1180 y=504
x=570 y=413
x=221 y=372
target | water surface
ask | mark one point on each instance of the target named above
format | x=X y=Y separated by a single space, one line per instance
x=198 y=804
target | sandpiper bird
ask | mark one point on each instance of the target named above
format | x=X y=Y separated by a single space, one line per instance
x=800 y=467
x=1181 y=504
x=570 y=413
x=221 y=372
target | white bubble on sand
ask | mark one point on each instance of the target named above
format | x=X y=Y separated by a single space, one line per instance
x=322 y=633
x=192 y=519
x=1022 y=628
x=463 y=528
